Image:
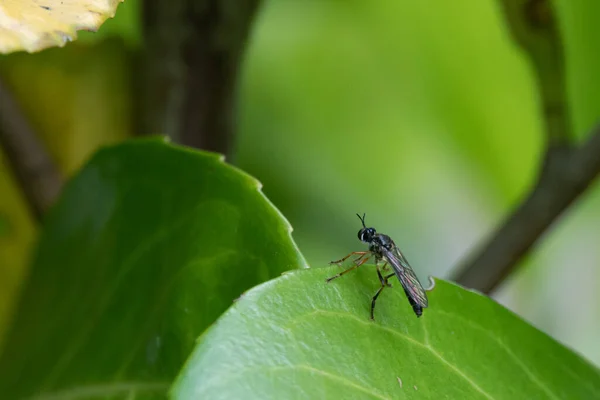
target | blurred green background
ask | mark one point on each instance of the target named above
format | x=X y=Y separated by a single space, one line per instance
x=423 y=115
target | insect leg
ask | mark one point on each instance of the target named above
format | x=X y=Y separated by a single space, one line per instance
x=357 y=259
x=362 y=253
x=383 y=280
x=374 y=300
x=364 y=260
x=384 y=284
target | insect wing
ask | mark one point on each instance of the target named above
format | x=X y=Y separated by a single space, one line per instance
x=406 y=275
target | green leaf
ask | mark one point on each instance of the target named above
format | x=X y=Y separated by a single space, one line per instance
x=298 y=337
x=148 y=245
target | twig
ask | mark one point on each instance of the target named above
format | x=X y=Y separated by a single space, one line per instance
x=194 y=51
x=35 y=171
x=565 y=175
x=567 y=170
x=534 y=27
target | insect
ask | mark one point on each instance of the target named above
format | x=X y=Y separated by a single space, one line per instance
x=383 y=248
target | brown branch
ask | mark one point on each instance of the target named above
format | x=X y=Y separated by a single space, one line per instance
x=533 y=26
x=35 y=171
x=566 y=171
x=193 y=54
x=566 y=174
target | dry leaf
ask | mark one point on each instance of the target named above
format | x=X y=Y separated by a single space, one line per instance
x=33 y=25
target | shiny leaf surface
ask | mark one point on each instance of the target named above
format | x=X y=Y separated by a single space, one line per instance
x=297 y=337
x=148 y=245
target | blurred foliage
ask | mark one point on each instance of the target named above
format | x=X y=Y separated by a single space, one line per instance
x=137 y=258
x=77 y=98
x=17 y=232
x=391 y=119
x=424 y=116
x=328 y=348
x=126 y=25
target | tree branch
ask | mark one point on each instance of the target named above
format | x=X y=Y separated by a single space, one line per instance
x=566 y=174
x=35 y=171
x=534 y=27
x=566 y=171
x=193 y=54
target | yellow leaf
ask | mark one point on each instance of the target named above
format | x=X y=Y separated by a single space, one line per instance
x=33 y=25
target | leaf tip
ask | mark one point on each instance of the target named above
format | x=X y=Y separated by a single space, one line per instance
x=241 y=296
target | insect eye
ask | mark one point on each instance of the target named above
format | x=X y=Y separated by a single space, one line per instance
x=366 y=234
x=361 y=235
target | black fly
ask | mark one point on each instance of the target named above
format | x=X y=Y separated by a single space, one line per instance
x=382 y=247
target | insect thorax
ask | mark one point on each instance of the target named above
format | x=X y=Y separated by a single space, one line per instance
x=379 y=243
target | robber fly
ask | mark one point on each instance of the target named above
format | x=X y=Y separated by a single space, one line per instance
x=382 y=247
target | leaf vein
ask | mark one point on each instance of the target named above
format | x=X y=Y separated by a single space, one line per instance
x=223 y=381
x=129 y=263
x=405 y=337
x=503 y=346
x=355 y=318
x=340 y=379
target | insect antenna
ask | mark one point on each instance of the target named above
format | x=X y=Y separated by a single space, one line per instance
x=362 y=219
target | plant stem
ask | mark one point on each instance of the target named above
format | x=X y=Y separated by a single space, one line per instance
x=34 y=169
x=566 y=173
x=193 y=54
x=567 y=170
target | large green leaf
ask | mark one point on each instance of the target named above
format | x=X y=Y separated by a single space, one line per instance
x=298 y=337
x=148 y=245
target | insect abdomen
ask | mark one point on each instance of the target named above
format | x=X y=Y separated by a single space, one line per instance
x=418 y=310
